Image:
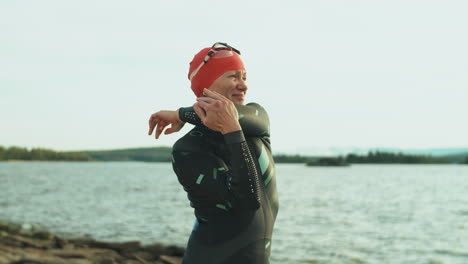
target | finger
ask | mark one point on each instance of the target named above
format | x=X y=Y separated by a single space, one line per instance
x=156 y=131
x=218 y=103
x=203 y=104
x=221 y=97
x=200 y=112
x=152 y=124
x=169 y=131
x=172 y=129
x=159 y=129
x=214 y=95
x=206 y=99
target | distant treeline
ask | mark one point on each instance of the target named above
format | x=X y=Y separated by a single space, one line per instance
x=328 y=161
x=372 y=157
x=387 y=157
x=163 y=154
x=18 y=153
x=158 y=154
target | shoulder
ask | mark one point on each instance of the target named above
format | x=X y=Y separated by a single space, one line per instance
x=256 y=106
x=259 y=110
x=193 y=141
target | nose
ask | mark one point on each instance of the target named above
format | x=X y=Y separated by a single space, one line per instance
x=242 y=85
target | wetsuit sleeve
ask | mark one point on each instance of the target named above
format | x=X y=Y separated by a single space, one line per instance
x=253 y=119
x=210 y=182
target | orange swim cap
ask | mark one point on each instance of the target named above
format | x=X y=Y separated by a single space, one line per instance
x=202 y=75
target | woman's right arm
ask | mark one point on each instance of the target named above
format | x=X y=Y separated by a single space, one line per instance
x=252 y=118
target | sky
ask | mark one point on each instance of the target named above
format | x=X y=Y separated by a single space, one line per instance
x=86 y=75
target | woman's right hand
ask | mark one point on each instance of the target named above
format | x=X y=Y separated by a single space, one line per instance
x=162 y=119
x=217 y=112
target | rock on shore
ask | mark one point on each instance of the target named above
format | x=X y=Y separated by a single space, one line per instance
x=41 y=247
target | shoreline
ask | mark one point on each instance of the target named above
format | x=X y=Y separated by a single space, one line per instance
x=168 y=162
x=30 y=245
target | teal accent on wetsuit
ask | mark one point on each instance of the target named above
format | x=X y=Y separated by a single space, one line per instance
x=231 y=184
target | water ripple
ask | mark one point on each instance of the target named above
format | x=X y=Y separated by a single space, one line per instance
x=364 y=214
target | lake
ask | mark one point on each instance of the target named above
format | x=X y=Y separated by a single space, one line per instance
x=358 y=214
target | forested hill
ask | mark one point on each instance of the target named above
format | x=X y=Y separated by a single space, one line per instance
x=160 y=154
x=163 y=154
x=15 y=153
x=40 y=154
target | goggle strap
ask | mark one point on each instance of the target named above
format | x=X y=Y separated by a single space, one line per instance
x=205 y=60
x=208 y=56
x=210 y=53
x=196 y=70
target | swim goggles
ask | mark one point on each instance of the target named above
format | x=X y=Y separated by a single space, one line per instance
x=218 y=50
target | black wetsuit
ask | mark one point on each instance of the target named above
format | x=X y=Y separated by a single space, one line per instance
x=230 y=181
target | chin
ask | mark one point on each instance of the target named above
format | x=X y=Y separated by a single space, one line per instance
x=239 y=101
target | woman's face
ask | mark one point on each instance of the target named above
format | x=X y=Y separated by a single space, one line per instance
x=232 y=84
